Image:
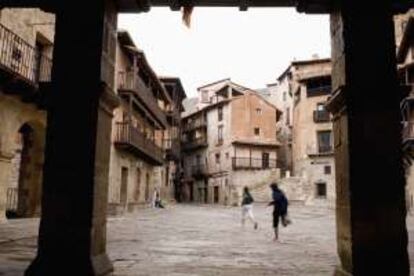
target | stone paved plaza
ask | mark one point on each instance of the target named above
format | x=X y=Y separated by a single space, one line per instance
x=185 y=240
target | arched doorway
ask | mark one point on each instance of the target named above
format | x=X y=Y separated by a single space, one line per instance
x=24 y=191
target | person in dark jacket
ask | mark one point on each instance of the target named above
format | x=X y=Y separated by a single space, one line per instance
x=280 y=208
x=247 y=207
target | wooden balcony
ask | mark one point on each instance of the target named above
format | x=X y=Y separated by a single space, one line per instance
x=194 y=124
x=247 y=163
x=22 y=67
x=173 y=149
x=133 y=140
x=195 y=144
x=321 y=116
x=199 y=170
x=130 y=82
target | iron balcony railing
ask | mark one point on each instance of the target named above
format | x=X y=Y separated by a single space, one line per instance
x=195 y=143
x=136 y=141
x=253 y=163
x=11 y=200
x=131 y=82
x=325 y=149
x=321 y=116
x=22 y=59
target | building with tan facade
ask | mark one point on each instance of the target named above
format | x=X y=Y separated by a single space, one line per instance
x=304 y=88
x=144 y=152
x=26 y=43
x=229 y=142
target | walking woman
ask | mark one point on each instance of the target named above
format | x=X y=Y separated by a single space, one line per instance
x=247 y=207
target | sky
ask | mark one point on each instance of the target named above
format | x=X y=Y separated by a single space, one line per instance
x=252 y=48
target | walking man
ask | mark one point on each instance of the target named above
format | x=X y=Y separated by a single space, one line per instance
x=247 y=207
x=280 y=207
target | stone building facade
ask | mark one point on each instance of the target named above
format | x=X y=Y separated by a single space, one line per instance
x=304 y=88
x=145 y=127
x=142 y=131
x=229 y=142
x=26 y=42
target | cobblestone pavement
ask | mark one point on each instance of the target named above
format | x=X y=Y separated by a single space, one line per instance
x=188 y=240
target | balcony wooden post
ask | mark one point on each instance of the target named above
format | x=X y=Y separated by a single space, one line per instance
x=370 y=207
x=72 y=235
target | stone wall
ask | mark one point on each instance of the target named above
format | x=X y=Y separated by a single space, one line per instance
x=13 y=115
x=258 y=182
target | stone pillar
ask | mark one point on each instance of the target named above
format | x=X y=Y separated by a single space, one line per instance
x=5 y=170
x=72 y=236
x=370 y=212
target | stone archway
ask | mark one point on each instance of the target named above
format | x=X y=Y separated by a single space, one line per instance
x=24 y=191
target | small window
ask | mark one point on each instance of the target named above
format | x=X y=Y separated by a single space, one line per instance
x=320 y=107
x=288 y=115
x=328 y=169
x=321 y=190
x=227 y=155
x=220 y=135
x=220 y=113
x=256 y=131
x=258 y=111
x=217 y=158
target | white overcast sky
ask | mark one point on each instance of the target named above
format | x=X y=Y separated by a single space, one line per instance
x=253 y=48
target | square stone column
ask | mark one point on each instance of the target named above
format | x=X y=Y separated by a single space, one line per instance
x=72 y=236
x=371 y=211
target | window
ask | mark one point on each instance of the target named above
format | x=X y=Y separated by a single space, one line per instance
x=220 y=135
x=321 y=190
x=220 y=113
x=258 y=111
x=288 y=116
x=324 y=141
x=265 y=160
x=227 y=155
x=217 y=158
x=320 y=107
x=256 y=131
x=328 y=169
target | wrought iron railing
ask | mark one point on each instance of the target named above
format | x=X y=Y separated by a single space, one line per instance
x=126 y=134
x=254 y=163
x=22 y=59
x=12 y=200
